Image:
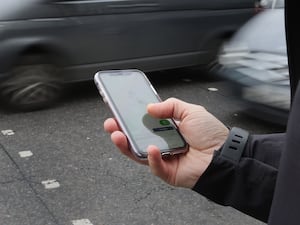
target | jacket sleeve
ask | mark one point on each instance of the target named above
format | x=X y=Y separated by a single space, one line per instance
x=249 y=185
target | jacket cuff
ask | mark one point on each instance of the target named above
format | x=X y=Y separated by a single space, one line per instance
x=247 y=186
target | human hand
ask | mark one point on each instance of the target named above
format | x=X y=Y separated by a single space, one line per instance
x=202 y=131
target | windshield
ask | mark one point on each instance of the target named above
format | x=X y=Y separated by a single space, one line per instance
x=278 y=4
x=265 y=32
x=11 y=7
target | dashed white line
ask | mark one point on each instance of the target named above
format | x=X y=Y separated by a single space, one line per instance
x=212 y=89
x=7 y=132
x=50 y=184
x=25 y=154
x=82 y=222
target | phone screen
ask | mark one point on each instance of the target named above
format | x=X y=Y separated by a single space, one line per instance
x=129 y=92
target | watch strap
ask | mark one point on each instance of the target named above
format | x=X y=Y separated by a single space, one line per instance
x=234 y=145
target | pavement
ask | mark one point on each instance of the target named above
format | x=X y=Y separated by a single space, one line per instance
x=58 y=167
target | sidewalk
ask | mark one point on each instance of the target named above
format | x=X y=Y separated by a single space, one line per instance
x=19 y=203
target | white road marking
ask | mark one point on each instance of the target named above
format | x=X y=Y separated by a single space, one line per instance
x=82 y=222
x=24 y=154
x=51 y=184
x=212 y=89
x=7 y=132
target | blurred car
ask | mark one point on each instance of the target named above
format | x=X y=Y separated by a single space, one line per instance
x=268 y=4
x=46 y=43
x=255 y=62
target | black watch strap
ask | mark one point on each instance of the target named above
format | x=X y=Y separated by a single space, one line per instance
x=234 y=145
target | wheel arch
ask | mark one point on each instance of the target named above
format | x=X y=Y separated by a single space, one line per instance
x=48 y=52
x=218 y=35
x=14 y=49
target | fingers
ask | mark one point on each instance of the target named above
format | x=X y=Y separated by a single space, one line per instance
x=117 y=137
x=156 y=163
x=120 y=140
x=110 y=125
x=171 y=108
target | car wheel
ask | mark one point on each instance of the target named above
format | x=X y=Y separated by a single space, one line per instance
x=214 y=66
x=31 y=87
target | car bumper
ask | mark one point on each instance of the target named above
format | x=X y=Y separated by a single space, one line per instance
x=265 y=100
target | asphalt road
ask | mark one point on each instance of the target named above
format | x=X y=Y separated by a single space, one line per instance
x=59 y=167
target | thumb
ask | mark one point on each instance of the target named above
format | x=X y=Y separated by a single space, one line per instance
x=170 y=108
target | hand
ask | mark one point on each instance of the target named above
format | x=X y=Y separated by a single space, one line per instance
x=203 y=132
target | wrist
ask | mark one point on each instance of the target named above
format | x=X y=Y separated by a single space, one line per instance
x=234 y=145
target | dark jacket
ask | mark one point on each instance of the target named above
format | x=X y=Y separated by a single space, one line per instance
x=265 y=183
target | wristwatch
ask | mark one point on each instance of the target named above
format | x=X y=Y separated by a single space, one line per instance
x=234 y=145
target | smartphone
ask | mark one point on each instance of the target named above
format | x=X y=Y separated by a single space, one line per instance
x=127 y=93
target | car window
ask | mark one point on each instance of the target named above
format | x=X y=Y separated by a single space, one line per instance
x=278 y=4
x=257 y=38
x=81 y=1
x=270 y=4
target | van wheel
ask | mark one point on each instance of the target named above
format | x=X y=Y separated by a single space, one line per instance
x=31 y=87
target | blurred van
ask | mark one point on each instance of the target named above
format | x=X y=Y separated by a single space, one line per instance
x=47 y=43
